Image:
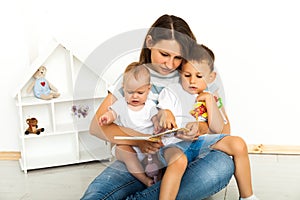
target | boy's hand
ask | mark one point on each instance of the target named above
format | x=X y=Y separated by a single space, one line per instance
x=204 y=96
x=196 y=129
x=189 y=135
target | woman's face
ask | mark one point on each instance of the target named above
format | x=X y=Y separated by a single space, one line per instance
x=165 y=56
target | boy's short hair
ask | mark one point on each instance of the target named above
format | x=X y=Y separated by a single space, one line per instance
x=138 y=71
x=200 y=52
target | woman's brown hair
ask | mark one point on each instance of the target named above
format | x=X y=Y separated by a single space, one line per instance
x=168 y=27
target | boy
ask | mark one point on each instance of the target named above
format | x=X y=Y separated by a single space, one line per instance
x=195 y=76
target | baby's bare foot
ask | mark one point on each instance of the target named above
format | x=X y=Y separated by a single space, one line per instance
x=148 y=181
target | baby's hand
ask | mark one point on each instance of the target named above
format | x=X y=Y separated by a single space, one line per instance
x=103 y=120
x=107 y=118
x=167 y=119
x=157 y=128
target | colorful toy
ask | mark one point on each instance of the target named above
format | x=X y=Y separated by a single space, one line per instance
x=199 y=109
x=33 y=127
x=41 y=87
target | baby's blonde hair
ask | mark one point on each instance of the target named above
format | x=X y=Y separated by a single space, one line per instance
x=138 y=71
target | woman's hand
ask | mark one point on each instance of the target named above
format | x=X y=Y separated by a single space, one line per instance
x=149 y=147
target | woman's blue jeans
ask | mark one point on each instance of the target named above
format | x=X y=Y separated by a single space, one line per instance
x=203 y=178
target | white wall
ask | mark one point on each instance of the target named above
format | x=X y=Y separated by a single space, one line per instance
x=256 y=45
x=13 y=59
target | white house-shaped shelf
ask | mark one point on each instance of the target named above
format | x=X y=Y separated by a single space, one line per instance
x=65 y=119
x=73 y=79
x=64 y=69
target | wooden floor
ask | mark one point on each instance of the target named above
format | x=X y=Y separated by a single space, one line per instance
x=275 y=177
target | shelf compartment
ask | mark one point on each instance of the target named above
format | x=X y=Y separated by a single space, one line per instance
x=51 y=151
x=42 y=113
x=83 y=112
x=63 y=117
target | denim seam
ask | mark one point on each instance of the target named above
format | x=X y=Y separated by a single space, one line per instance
x=118 y=189
x=151 y=192
x=143 y=194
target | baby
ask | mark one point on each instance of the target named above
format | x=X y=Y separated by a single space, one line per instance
x=137 y=112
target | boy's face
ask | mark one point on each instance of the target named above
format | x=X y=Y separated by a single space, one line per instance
x=195 y=76
x=136 y=91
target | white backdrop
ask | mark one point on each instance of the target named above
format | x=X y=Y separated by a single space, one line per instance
x=256 y=44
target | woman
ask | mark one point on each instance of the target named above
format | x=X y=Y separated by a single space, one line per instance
x=166 y=43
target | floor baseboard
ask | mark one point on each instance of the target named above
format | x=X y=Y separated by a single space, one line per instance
x=273 y=149
x=252 y=148
x=10 y=155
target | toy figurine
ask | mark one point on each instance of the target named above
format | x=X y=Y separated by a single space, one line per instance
x=41 y=87
x=33 y=127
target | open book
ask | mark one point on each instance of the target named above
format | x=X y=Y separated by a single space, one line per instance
x=153 y=138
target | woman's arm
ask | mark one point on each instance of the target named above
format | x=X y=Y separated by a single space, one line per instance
x=107 y=132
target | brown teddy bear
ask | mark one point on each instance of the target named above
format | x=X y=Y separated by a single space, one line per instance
x=41 y=87
x=33 y=127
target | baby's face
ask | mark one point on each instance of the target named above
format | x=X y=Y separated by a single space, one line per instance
x=195 y=76
x=136 y=92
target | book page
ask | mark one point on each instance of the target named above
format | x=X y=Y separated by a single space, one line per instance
x=154 y=138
